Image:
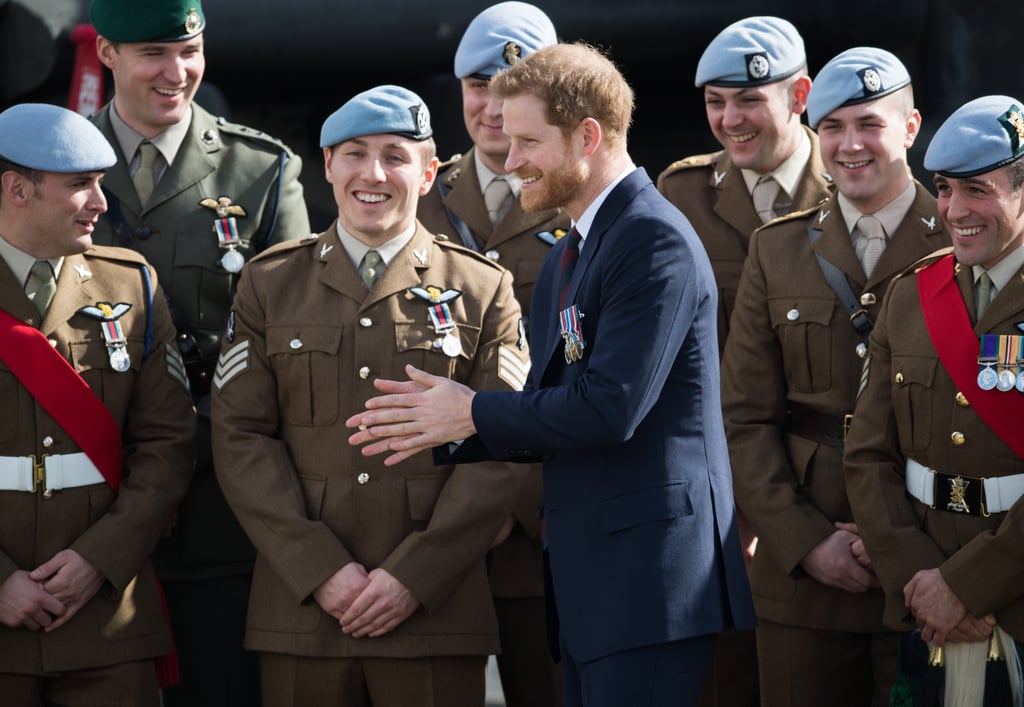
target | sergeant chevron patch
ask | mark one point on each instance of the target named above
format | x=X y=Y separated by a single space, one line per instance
x=513 y=367
x=232 y=362
x=175 y=365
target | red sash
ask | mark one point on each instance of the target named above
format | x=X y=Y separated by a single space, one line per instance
x=71 y=402
x=953 y=337
x=64 y=395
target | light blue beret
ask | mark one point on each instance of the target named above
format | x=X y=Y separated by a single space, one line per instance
x=752 y=52
x=980 y=136
x=500 y=36
x=49 y=138
x=385 y=109
x=855 y=76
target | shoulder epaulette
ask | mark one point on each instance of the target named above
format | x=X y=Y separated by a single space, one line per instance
x=800 y=215
x=445 y=242
x=285 y=246
x=108 y=252
x=930 y=259
x=244 y=131
x=449 y=162
x=693 y=161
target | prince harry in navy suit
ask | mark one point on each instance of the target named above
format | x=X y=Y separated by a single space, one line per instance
x=622 y=404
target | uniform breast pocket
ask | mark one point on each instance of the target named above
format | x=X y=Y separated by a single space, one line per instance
x=440 y=354
x=913 y=378
x=92 y=360
x=802 y=328
x=305 y=360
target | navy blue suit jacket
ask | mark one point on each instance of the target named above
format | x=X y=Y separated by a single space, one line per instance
x=638 y=503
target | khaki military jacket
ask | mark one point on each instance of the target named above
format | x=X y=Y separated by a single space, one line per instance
x=115 y=532
x=519 y=242
x=305 y=344
x=792 y=349
x=911 y=409
x=175 y=232
x=710 y=190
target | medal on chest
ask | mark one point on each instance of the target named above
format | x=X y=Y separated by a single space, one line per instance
x=571 y=330
x=441 y=317
x=108 y=316
x=226 y=228
x=1001 y=363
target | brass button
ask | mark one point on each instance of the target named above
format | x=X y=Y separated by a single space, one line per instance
x=899 y=378
x=47 y=441
x=364 y=372
x=365 y=322
x=961 y=400
x=958 y=439
x=867 y=299
x=363 y=478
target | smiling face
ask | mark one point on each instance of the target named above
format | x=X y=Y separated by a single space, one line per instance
x=154 y=82
x=759 y=126
x=377 y=182
x=57 y=214
x=549 y=163
x=864 y=148
x=984 y=215
x=482 y=114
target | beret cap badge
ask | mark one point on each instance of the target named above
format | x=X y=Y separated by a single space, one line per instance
x=421 y=118
x=192 y=21
x=512 y=54
x=758 y=66
x=1013 y=122
x=871 y=79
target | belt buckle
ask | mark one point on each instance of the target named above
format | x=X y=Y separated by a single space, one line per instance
x=847 y=421
x=959 y=494
x=39 y=475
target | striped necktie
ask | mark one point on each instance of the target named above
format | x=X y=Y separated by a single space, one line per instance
x=568 y=264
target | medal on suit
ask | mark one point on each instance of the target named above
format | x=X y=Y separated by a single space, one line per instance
x=108 y=316
x=226 y=228
x=441 y=317
x=1007 y=378
x=988 y=379
x=572 y=333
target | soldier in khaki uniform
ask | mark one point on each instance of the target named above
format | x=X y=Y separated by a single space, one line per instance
x=218 y=194
x=790 y=375
x=97 y=439
x=754 y=75
x=935 y=457
x=370 y=583
x=458 y=206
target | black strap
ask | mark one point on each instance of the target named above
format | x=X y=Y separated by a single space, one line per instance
x=839 y=283
x=465 y=234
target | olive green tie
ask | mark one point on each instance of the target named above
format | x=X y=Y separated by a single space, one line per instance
x=42 y=273
x=984 y=293
x=145 y=177
x=370 y=269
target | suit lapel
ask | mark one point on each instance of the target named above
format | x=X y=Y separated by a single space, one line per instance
x=1005 y=309
x=812 y=183
x=74 y=290
x=834 y=244
x=192 y=163
x=732 y=200
x=338 y=273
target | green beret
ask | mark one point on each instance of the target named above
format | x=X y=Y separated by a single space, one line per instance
x=147 y=20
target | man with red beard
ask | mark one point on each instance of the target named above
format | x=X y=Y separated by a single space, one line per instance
x=811 y=286
x=622 y=406
x=475 y=200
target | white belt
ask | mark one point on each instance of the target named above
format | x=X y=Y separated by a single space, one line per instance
x=54 y=472
x=999 y=494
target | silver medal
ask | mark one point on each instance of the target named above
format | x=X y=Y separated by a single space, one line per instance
x=232 y=261
x=1006 y=381
x=1020 y=381
x=451 y=344
x=119 y=359
x=987 y=378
